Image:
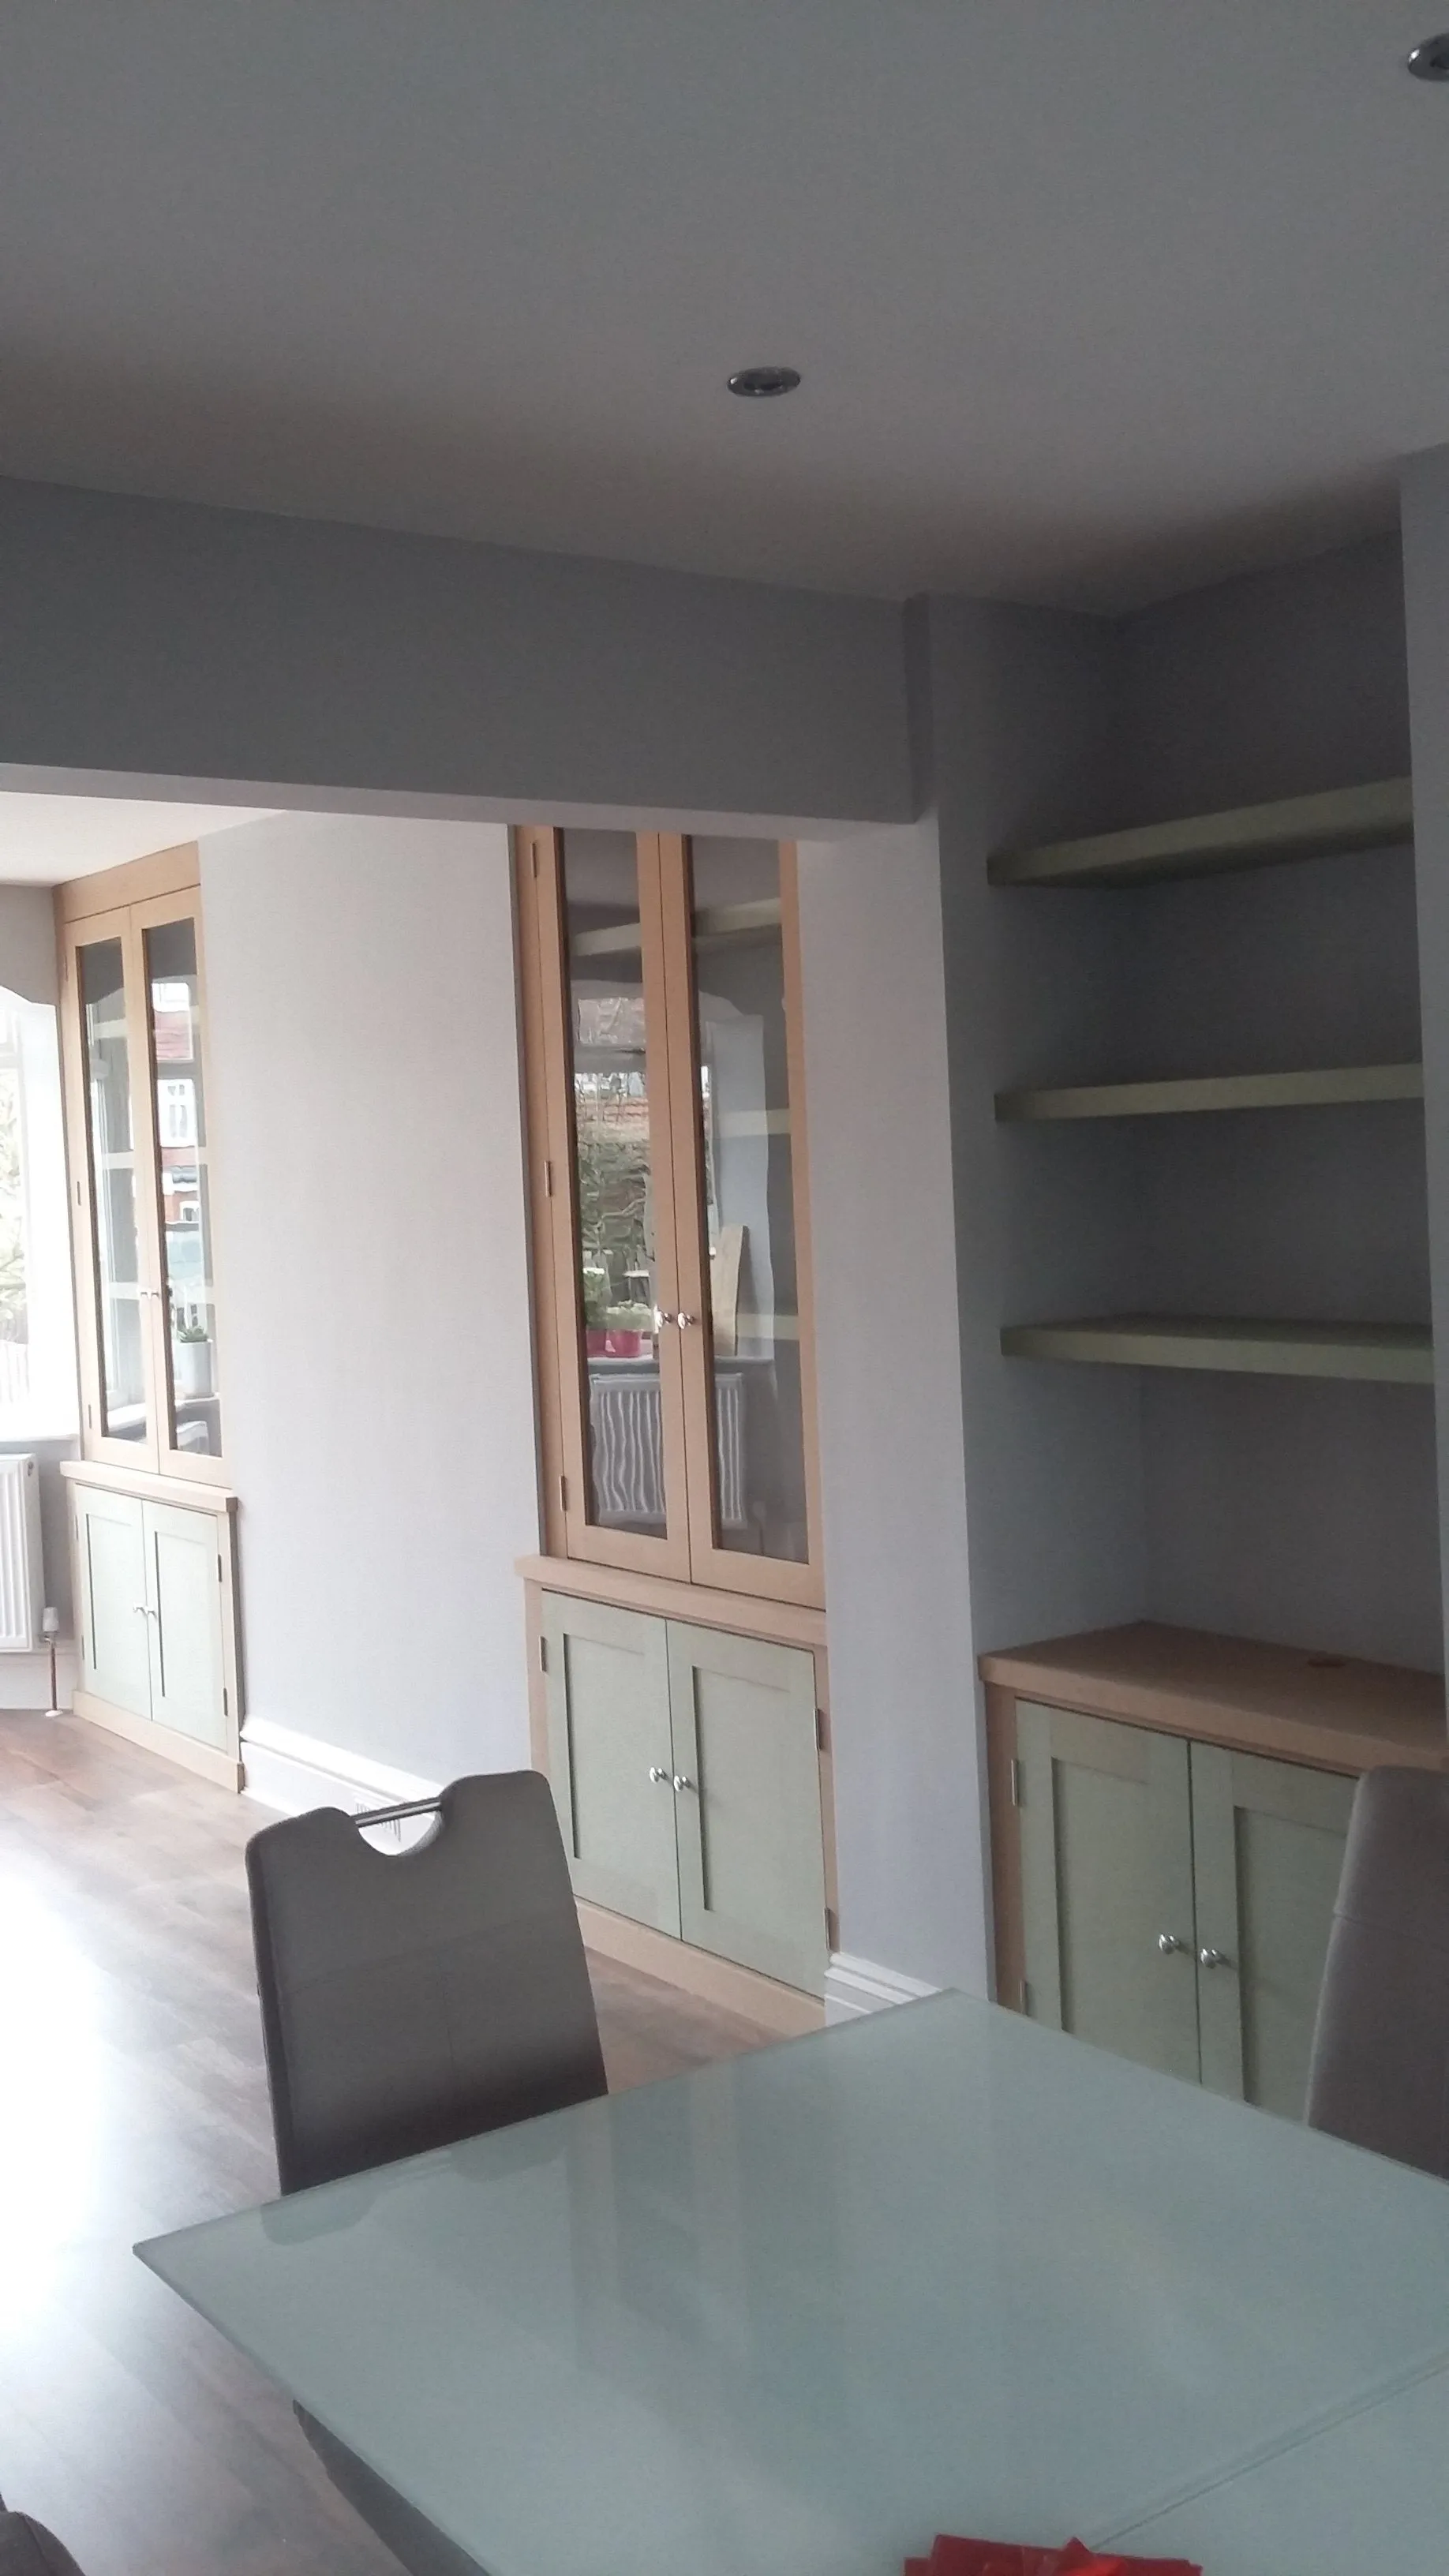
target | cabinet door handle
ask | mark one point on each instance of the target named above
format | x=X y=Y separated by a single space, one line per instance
x=659 y=1778
x=679 y=1782
x=1210 y=1958
x=1167 y=1942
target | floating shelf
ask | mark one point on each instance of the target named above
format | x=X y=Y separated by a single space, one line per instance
x=1380 y=816
x=1395 y=1354
x=1329 y=1088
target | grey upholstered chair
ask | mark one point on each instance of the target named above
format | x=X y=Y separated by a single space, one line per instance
x=1379 y=2073
x=28 y=2549
x=410 y=2000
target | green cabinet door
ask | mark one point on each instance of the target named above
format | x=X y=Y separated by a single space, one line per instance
x=751 y=1860
x=184 y=1600
x=610 y=1757
x=1106 y=1855
x=111 y=1569
x=1268 y=1845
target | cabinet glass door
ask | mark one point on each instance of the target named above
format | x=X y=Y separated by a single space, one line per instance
x=188 y=1386
x=619 y=1344
x=745 y=1262
x=119 y=1404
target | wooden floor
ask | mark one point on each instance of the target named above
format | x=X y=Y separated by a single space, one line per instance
x=132 y=2100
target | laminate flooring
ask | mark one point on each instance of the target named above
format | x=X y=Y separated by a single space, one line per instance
x=132 y=2100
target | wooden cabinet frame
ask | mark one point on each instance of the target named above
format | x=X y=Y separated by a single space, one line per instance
x=688 y=1550
x=160 y=890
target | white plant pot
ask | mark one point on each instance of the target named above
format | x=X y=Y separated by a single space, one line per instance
x=191 y=1368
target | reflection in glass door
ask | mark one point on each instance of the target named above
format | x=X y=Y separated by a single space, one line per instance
x=115 y=1205
x=173 y=1020
x=756 y=1388
x=615 y=1152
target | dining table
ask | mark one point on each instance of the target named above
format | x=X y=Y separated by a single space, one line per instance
x=933 y=2269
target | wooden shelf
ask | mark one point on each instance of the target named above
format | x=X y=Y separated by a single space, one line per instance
x=1377 y=817
x=1333 y=1710
x=1395 y=1354
x=1331 y=1087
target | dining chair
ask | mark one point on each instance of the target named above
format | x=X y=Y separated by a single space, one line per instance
x=411 y=1999
x=28 y=2549
x=1379 y=2070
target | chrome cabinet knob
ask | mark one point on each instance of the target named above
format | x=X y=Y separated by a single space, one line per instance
x=1167 y=1942
x=1210 y=1958
x=659 y=1778
x=680 y=1781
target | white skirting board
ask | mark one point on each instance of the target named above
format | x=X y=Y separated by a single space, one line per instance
x=854 y=1986
x=291 y=1773
x=25 y=1678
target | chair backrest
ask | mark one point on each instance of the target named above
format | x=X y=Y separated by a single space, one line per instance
x=28 y=2549
x=1379 y=2073
x=412 y=1999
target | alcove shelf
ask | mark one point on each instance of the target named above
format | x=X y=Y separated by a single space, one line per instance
x=1378 y=816
x=1329 y=1086
x=1389 y=1354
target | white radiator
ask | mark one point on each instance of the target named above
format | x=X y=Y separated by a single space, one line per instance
x=21 y=1578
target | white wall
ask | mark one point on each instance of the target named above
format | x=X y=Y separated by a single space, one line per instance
x=908 y=1803
x=375 y=1357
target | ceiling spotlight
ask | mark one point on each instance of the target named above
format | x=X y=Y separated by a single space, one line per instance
x=1430 y=61
x=756 y=382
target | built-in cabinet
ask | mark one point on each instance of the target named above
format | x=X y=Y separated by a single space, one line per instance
x=1169 y=1815
x=155 y=1613
x=151 y=1514
x=139 y=1150
x=671 y=1237
x=685 y=1764
x=1177 y=1899
x=678 y=1611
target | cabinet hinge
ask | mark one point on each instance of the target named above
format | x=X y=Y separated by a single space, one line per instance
x=90 y=1419
x=822 y=1731
x=532 y=856
x=1017 y=1799
x=1025 y=1996
x=225 y=1701
x=221 y=1578
x=563 y=1493
x=832 y=1927
x=548 y=1180
x=543 y=1654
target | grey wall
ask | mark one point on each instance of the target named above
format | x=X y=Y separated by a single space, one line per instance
x=1425 y=515
x=375 y=1364
x=1273 y=684
x=907 y=1788
x=1021 y=705
x=1305 y=1514
x=183 y=644
x=27 y=942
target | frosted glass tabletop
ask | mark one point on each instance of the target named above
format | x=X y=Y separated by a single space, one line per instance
x=791 y=2315
x=1370 y=2497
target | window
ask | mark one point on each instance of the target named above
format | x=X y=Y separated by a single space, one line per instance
x=37 y=1335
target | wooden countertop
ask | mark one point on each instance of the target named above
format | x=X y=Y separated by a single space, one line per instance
x=1330 y=1710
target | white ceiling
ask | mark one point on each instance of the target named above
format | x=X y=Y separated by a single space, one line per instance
x=1092 y=298
x=45 y=839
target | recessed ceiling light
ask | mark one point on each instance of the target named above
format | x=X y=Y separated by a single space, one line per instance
x=1430 y=61
x=756 y=382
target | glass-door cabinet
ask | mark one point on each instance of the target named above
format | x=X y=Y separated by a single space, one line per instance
x=141 y=1221
x=671 y=1242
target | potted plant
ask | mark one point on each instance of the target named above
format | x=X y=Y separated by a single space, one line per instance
x=190 y=1356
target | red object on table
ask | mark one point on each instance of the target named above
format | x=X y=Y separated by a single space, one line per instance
x=952 y=2557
